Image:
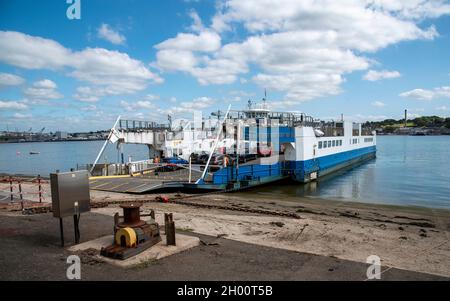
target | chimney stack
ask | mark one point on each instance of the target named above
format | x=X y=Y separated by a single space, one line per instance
x=406 y=117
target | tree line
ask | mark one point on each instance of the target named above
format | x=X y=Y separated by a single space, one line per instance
x=424 y=121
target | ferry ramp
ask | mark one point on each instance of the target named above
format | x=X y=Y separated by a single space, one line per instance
x=145 y=183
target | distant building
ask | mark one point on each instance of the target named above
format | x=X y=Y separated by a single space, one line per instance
x=61 y=135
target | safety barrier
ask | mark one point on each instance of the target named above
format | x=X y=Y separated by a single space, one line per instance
x=15 y=184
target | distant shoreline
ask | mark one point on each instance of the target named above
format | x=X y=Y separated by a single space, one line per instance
x=34 y=141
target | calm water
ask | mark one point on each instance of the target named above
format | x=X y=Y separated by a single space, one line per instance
x=408 y=170
x=15 y=157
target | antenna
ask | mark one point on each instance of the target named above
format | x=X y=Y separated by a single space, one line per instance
x=265 y=98
x=169 y=118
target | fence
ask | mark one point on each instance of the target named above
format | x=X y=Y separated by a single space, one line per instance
x=15 y=189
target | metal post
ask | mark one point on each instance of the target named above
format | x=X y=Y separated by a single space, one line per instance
x=11 y=188
x=61 y=229
x=20 y=194
x=76 y=229
x=190 y=168
x=40 y=188
x=219 y=132
x=104 y=145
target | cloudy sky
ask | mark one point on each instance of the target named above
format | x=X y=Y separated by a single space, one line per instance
x=367 y=59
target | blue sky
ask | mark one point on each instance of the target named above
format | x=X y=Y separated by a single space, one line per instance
x=369 y=60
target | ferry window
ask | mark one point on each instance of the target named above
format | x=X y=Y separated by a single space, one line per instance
x=329 y=143
x=324 y=144
x=320 y=144
x=334 y=143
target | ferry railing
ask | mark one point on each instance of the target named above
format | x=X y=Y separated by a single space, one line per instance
x=132 y=125
x=140 y=166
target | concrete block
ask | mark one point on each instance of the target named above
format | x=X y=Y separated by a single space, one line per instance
x=156 y=252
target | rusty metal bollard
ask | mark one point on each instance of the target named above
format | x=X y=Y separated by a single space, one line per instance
x=169 y=226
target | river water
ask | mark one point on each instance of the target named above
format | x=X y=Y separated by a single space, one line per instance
x=408 y=170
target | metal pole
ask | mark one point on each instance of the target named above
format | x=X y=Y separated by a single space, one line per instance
x=20 y=194
x=11 y=188
x=238 y=146
x=214 y=146
x=61 y=229
x=104 y=145
x=190 y=168
x=40 y=188
x=76 y=229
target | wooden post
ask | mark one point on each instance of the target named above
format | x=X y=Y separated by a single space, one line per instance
x=169 y=229
x=152 y=214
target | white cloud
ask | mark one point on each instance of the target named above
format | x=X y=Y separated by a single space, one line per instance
x=111 y=72
x=412 y=115
x=418 y=94
x=42 y=90
x=31 y=52
x=379 y=104
x=241 y=93
x=197 y=104
x=363 y=118
x=45 y=84
x=443 y=108
x=176 y=60
x=138 y=105
x=205 y=41
x=421 y=94
x=88 y=94
x=197 y=25
x=7 y=79
x=373 y=75
x=302 y=48
x=107 y=33
x=152 y=97
x=12 y=105
x=22 y=116
x=89 y=108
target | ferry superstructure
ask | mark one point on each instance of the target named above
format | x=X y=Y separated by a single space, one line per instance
x=279 y=144
x=240 y=149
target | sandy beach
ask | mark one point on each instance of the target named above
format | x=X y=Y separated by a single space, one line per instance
x=410 y=238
